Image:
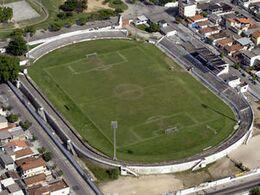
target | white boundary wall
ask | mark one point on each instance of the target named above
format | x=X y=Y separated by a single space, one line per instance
x=214 y=184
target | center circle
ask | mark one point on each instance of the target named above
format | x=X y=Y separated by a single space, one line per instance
x=128 y=91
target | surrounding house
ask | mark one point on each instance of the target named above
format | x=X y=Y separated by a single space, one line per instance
x=16 y=145
x=24 y=153
x=32 y=166
x=11 y=187
x=35 y=180
x=141 y=20
x=54 y=188
x=232 y=80
x=197 y=18
x=187 y=8
x=245 y=42
x=224 y=42
x=239 y=25
x=249 y=58
x=231 y=50
x=7 y=162
x=3 y=122
x=256 y=37
x=208 y=31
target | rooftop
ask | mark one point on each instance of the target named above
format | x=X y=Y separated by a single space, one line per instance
x=224 y=42
x=244 y=41
x=17 y=143
x=33 y=163
x=23 y=152
x=6 y=159
x=35 y=179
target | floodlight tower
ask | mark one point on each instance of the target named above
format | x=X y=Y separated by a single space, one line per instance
x=114 y=126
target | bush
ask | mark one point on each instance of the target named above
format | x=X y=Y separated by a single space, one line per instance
x=55 y=26
x=29 y=29
x=255 y=191
x=113 y=173
x=154 y=27
x=25 y=125
x=12 y=118
x=47 y=156
x=82 y=21
x=62 y=15
x=41 y=150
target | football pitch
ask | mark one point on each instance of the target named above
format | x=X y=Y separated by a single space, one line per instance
x=162 y=114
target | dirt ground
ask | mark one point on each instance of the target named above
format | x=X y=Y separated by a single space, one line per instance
x=161 y=184
x=152 y=184
x=94 y=5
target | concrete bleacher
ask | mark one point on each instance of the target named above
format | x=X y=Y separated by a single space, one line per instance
x=53 y=44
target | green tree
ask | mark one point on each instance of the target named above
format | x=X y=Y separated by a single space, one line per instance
x=25 y=125
x=255 y=191
x=9 y=68
x=154 y=27
x=6 y=13
x=55 y=26
x=47 y=156
x=18 y=32
x=29 y=29
x=12 y=118
x=17 y=46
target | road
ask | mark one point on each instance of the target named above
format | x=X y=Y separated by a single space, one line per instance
x=74 y=180
x=235 y=187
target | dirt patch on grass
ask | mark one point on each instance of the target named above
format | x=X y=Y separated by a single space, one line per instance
x=94 y=5
x=152 y=184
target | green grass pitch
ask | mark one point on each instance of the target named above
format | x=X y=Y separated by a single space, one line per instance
x=92 y=83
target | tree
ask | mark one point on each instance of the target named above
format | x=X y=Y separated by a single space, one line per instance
x=9 y=68
x=25 y=125
x=6 y=13
x=47 y=156
x=154 y=27
x=12 y=118
x=29 y=29
x=17 y=46
x=55 y=26
x=17 y=33
x=82 y=21
x=255 y=191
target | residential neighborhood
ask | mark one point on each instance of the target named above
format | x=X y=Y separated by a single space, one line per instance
x=25 y=168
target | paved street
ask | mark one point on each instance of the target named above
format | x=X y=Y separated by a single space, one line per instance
x=78 y=185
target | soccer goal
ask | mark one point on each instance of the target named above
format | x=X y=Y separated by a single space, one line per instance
x=170 y=130
x=91 y=55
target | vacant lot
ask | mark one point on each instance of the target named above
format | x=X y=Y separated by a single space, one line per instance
x=162 y=114
x=22 y=11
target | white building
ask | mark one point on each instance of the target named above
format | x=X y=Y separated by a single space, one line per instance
x=187 y=8
x=33 y=167
x=141 y=20
x=3 y=122
x=249 y=58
